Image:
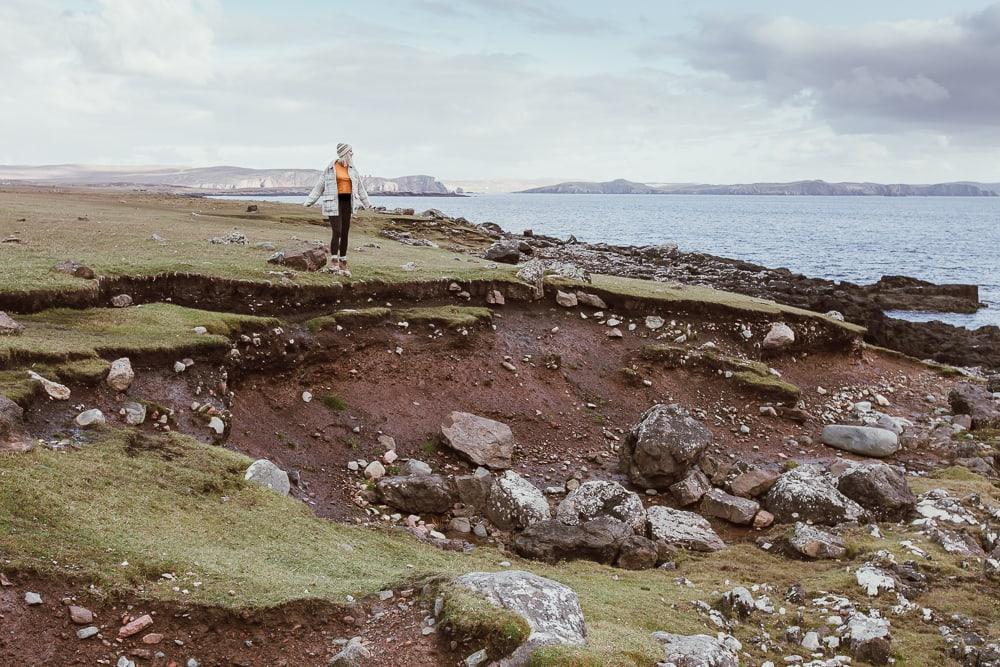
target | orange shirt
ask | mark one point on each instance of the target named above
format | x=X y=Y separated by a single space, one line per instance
x=343 y=179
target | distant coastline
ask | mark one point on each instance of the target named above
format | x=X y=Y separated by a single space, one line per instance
x=795 y=188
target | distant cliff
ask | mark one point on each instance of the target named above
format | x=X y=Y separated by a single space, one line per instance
x=620 y=186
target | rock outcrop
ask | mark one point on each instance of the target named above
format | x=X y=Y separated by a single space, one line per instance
x=807 y=493
x=600 y=499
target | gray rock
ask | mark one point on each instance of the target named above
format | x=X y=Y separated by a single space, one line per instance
x=483 y=441
x=533 y=273
x=418 y=494
x=32 y=599
x=121 y=301
x=733 y=509
x=602 y=499
x=75 y=269
x=869 y=638
x=737 y=603
x=87 y=633
x=671 y=529
x=301 y=256
x=750 y=481
x=690 y=489
x=815 y=543
x=88 y=418
x=474 y=490
x=551 y=609
x=599 y=540
x=977 y=402
x=416 y=467
x=780 y=336
x=862 y=440
x=515 y=503
x=135 y=413
x=266 y=474
x=121 y=375
x=505 y=252
x=663 y=446
x=13 y=437
x=879 y=488
x=476 y=659
x=354 y=654
x=638 y=553
x=566 y=299
x=8 y=327
x=807 y=493
x=591 y=300
x=54 y=390
x=695 y=651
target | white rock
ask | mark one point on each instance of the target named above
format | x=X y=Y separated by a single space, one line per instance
x=55 y=390
x=268 y=475
x=93 y=417
x=654 y=322
x=121 y=375
x=307 y=396
x=780 y=336
x=179 y=367
x=217 y=425
x=374 y=471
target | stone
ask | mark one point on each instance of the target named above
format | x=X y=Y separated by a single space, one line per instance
x=179 y=367
x=135 y=413
x=474 y=489
x=663 y=446
x=780 y=336
x=8 y=327
x=551 y=609
x=869 y=638
x=121 y=301
x=752 y=481
x=483 y=441
x=598 y=540
x=301 y=256
x=88 y=418
x=32 y=599
x=505 y=252
x=637 y=553
x=671 y=529
x=75 y=269
x=591 y=300
x=476 y=659
x=13 y=436
x=733 y=509
x=54 y=390
x=737 y=603
x=80 y=615
x=354 y=654
x=87 y=633
x=495 y=298
x=815 y=543
x=375 y=471
x=515 y=503
x=654 y=322
x=415 y=467
x=695 y=651
x=264 y=473
x=763 y=520
x=614 y=333
x=217 y=425
x=121 y=375
x=690 y=489
x=152 y=638
x=135 y=626
x=861 y=440
x=807 y=493
x=460 y=524
x=533 y=273
x=566 y=299
x=602 y=499
x=879 y=488
x=976 y=401
x=417 y=494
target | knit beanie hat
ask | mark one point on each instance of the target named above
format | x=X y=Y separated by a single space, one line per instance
x=343 y=149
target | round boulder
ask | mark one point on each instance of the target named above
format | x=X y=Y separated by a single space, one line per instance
x=599 y=499
x=515 y=503
x=121 y=375
x=264 y=473
x=663 y=446
x=879 y=488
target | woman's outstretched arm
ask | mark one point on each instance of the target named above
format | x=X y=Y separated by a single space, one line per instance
x=317 y=190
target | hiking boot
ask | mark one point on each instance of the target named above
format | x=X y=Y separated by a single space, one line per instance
x=344 y=271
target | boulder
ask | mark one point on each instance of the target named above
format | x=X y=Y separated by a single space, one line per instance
x=602 y=499
x=879 y=488
x=474 y=489
x=88 y=418
x=483 y=441
x=671 y=529
x=354 y=654
x=690 y=489
x=861 y=440
x=301 y=256
x=977 y=402
x=8 y=327
x=591 y=300
x=696 y=651
x=812 y=542
x=750 y=481
x=733 y=509
x=417 y=494
x=551 y=609
x=566 y=299
x=515 y=503
x=869 y=639
x=54 y=390
x=599 y=540
x=121 y=375
x=415 y=467
x=505 y=252
x=807 y=493
x=13 y=437
x=780 y=336
x=264 y=473
x=533 y=273
x=135 y=413
x=121 y=301
x=637 y=553
x=663 y=446
x=75 y=269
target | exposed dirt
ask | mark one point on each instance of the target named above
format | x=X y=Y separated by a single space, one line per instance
x=303 y=634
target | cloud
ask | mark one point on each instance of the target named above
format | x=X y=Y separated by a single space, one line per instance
x=937 y=75
x=543 y=16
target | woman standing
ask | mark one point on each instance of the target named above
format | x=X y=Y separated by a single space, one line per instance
x=340 y=192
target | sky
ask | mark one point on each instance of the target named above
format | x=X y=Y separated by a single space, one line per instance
x=717 y=91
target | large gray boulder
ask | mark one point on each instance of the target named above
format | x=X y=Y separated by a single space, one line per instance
x=598 y=540
x=733 y=509
x=483 y=441
x=674 y=529
x=602 y=499
x=417 y=494
x=551 y=609
x=697 y=650
x=515 y=503
x=120 y=375
x=879 y=488
x=506 y=252
x=977 y=402
x=264 y=473
x=807 y=493
x=663 y=446
x=861 y=440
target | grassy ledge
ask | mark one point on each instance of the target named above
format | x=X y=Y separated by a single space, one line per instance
x=451 y=317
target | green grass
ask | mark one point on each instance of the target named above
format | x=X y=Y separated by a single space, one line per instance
x=469 y=614
x=452 y=317
x=350 y=316
x=332 y=402
x=18 y=387
x=323 y=323
x=62 y=334
x=767 y=385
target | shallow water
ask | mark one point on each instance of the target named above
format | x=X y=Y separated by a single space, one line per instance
x=859 y=239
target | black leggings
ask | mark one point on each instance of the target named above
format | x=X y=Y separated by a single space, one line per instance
x=341 y=226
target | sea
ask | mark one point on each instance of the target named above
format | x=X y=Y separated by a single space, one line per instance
x=856 y=239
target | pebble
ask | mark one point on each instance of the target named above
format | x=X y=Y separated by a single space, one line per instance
x=32 y=599
x=179 y=367
x=81 y=615
x=307 y=396
x=87 y=633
